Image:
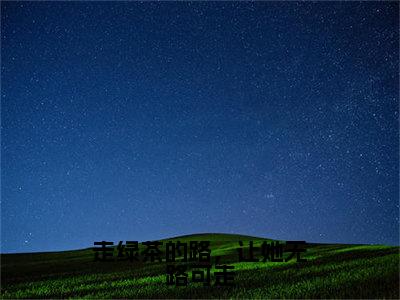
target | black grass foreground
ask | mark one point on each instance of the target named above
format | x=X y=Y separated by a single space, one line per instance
x=331 y=271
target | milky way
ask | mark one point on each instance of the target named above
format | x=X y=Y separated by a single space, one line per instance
x=137 y=121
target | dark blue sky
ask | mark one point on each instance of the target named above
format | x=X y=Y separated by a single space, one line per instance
x=137 y=121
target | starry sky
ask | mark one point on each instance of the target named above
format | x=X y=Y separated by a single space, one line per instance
x=141 y=121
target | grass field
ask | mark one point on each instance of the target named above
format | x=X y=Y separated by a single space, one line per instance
x=331 y=271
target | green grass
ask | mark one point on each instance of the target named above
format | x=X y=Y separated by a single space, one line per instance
x=332 y=271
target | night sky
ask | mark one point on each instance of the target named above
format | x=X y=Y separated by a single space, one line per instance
x=141 y=121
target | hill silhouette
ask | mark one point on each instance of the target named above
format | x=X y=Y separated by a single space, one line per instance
x=331 y=271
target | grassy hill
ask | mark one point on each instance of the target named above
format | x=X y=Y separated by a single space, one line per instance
x=331 y=271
